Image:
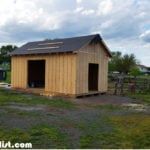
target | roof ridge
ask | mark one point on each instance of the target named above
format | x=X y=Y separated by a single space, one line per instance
x=65 y=38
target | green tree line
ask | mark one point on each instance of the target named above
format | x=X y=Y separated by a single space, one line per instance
x=126 y=63
x=5 y=58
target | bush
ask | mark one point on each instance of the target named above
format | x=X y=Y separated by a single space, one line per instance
x=135 y=72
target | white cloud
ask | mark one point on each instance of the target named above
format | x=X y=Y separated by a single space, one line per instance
x=105 y=7
x=32 y=13
x=106 y=24
x=79 y=9
x=88 y=12
x=146 y=36
x=79 y=1
x=124 y=24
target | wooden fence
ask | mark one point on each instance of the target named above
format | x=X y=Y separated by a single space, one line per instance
x=122 y=85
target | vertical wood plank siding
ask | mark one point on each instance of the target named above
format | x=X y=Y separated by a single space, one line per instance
x=93 y=53
x=60 y=72
x=19 y=72
x=65 y=73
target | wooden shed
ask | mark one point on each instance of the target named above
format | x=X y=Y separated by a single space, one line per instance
x=71 y=66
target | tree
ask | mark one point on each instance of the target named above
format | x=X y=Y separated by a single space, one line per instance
x=116 y=57
x=128 y=63
x=122 y=64
x=135 y=72
x=4 y=53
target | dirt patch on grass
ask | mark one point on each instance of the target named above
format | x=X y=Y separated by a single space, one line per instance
x=137 y=107
x=27 y=107
x=104 y=99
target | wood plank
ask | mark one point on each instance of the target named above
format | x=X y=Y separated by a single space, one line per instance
x=91 y=54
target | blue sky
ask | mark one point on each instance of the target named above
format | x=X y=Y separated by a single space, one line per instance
x=124 y=24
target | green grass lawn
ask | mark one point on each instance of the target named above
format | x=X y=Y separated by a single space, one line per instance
x=64 y=124
x=143 y=97
x=7 y=97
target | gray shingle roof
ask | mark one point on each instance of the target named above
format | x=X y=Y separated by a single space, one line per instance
x=58 y=45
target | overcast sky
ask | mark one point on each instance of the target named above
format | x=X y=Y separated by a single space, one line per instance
x=123 y=24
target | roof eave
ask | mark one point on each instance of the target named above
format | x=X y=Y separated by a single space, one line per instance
x=42 y=53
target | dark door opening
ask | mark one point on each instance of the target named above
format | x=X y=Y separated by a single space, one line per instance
x=93 y=77
x=36 y=73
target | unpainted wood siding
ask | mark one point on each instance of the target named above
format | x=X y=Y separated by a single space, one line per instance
x=93 y=53
x=60 y=72
x=18 y=72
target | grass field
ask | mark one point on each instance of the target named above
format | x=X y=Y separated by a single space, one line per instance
x=59 y=123
x=144 y=97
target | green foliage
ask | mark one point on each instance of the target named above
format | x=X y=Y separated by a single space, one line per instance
x=135 y=72
x=8 y=77
x=122 y=64
x=5 y=65
x=113 y=64
x=4 y=53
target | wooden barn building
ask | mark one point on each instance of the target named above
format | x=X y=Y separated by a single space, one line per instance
x=71 y=66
